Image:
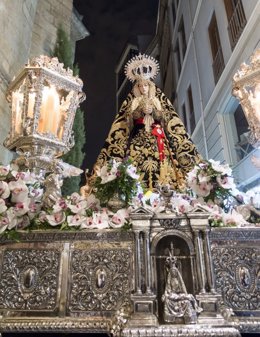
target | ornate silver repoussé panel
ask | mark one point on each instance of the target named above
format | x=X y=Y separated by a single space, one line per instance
x=100 y=280
x=29 y=279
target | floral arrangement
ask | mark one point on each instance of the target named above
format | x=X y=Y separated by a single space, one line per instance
x=22 y=207
x=117 y=177
x=20 y=198
x=211 y=181
x=22 y=194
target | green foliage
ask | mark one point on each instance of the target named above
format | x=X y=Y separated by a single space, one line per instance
x=122 y=182
x=75 y=157
x=63 y=48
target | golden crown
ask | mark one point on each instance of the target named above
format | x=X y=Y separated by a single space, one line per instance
x=141 y=67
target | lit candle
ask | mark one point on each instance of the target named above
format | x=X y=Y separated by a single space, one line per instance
x=50 y=111
x=31 y=103
x=17 y=103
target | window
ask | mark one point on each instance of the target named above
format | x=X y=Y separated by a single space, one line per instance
x=191 y=106
x=217 y=55
x=180 y=47
x=243 y=147
x=236 y=20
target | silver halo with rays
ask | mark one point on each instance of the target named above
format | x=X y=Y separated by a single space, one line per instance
x=143 y=67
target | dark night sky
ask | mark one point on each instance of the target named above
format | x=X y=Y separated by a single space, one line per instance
x=111 y=25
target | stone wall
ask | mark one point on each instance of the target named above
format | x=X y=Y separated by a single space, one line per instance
x=28 y=28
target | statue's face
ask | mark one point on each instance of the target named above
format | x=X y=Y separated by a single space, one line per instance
x=144 y=88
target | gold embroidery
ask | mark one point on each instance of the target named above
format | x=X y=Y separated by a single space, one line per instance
x=124 y=140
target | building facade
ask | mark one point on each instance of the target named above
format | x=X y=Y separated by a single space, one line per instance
x=200 y=45
x=28 y=29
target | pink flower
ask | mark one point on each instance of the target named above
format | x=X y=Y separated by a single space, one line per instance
x=79 y=207
x=61 y=205
x=34 y=209
x=181 y=205
x=107 y=175
x=4 y=190
x=233 y=219
x=131 y=171
x=21 y=208
x=92 y=202
x=100 y=220
x=203 y=177
x=4 y=170
x=226 y=182
x=3 y=207
x=119 y=218
x=203 y=189
x=75 y=220
x=19 y=191
x=11 y=218
x=56 y=219
x=35 y=193
x=3 y=224
x=88 y=223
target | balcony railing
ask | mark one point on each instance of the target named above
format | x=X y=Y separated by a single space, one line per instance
x=218 y=64
x=236 y=24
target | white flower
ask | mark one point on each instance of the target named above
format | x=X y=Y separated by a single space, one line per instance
x=79 y=207
x=203 y=189
x=3 y=207
x=203 y=177
x=136 y=202
x=75 y=220
x=192 y=176
x=11 y=218
x=75 y=197
x=35 y=193
x=60 y=205
x=4 y=170
x=100 y=220
x=119 y=218
x=56 y=219
x=69 y=170
x=92 y=202
x=150 y=197
x=131 y=171
x=6 y=221
x=226 y=182
x=2 y=227
x=21 y=208
x=107 y=175
x=28 y=177
x=34 y=209
x=223 y=169
x=156 y=206
x=4 y=190
x=19 y=191
x=181 y=205
x=233 y=219
x=88 y=223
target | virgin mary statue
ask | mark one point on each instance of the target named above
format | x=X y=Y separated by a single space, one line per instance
x=149 y=131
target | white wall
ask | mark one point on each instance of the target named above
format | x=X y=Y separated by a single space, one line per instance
x=215 y=132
